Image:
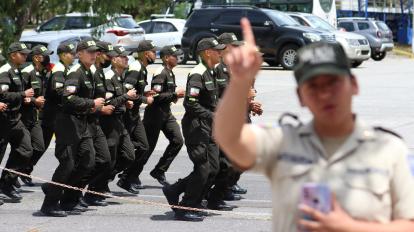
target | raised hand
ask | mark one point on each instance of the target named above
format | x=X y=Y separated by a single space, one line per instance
x=244 y=62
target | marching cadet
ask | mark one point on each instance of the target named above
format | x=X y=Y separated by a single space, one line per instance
x=54 y=90
x=74 y=143
x=200 y=102
x=365 y=168
x=136 y=78
x=113 y=124
x=97 y=179
x=158 y=116
x=34 y=76
x=12 y=129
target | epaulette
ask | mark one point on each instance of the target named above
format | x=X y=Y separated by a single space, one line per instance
x=74 y=68
x=296 y=118
x=28 y=69
x=199 y=69
x=5 y=68
x=135 y=66
x=59 y=67
x=158 y=71
x=109 y=74
x=388 y=131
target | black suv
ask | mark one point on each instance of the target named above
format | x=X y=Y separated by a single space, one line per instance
x=277 y=34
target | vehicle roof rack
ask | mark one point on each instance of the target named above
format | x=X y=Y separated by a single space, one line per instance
x=162 y=16
x=229 y=6
x=357 y=18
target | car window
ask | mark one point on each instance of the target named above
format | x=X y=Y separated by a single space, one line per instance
x=281 y=19
x=146 y=26
x=257 y=19
x=57 y=23
x=160 y=27
x=229 y=18
x=348 y=26
x=363 y=26
x=78 y=23
x=319 y=23
x=126 y=22
x=300 y=20
x=382 y=26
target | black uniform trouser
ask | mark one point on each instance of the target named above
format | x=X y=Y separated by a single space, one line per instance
x=21 y=149
x=138 y=136
x=38 y=145
x=48 y=129
x=227 y=177
x=120 y=146
x=102 y=167
x=76 y=160
x=205 y=157
x=154 y=123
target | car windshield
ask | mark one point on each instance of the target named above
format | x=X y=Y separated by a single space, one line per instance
x=382 y=26
x=126 y=22
x=281 y=19
x=319 y=23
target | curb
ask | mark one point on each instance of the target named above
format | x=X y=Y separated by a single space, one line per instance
x=403 y=53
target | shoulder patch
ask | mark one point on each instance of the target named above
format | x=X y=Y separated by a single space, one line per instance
x=199 y=69
x=158 y=71
x=59 y=67
x=378 y=128
x=28 y=69
x=109 y=74
x=135 y=66
x=93 y=69
x=5 y=68
x=296 y=120
x=74 y=68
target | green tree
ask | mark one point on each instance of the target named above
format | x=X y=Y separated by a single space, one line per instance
x=16 y=14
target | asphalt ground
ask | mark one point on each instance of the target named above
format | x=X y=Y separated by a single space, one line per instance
x=385 y=99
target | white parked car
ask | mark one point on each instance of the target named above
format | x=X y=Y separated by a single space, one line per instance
x=356 y=46
x=52 y=42
x=119 y=29
x=164 y=31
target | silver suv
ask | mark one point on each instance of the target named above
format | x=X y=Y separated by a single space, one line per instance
x=377 y=32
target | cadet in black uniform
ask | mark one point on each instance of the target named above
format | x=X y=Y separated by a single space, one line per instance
x=34 y=76
x=12 y=130
x=136 y=77
x=200 y=102
x=74 y=143
x=54 y=90
x=97 y=179
x=119 y=141
x=158 y=116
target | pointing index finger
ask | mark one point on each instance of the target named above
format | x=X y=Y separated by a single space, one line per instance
x=248 y=36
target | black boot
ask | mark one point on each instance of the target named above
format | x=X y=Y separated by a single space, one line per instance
x=127 y=186
x=160 y=177
x=189 y=216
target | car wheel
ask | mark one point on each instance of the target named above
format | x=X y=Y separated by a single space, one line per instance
x=355 y=64
x=377 y=56
x=288 y=56
x=182 y=59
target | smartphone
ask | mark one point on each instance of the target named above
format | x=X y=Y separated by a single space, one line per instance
x=317 y=196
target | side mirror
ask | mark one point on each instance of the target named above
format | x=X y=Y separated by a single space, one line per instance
x=268 y=23
x=37 y=29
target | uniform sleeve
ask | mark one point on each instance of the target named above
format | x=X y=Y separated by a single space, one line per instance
x=268 y=143
x=191 y=101
x=134 y=79
x=5 y=94
x=113 y=100
x=27 y=78
x=158 y=82
x=402 y=186
x=57 y=83
x=71 y=98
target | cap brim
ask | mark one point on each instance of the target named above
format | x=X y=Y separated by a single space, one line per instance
x=323 y=70
x=125 y=53
x=112 y=53
x=92 y=49
x=237 y=43
x=220 y=47
x=47 y=53
x=25 y=51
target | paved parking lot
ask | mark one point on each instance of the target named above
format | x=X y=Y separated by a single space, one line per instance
x=386 y=98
